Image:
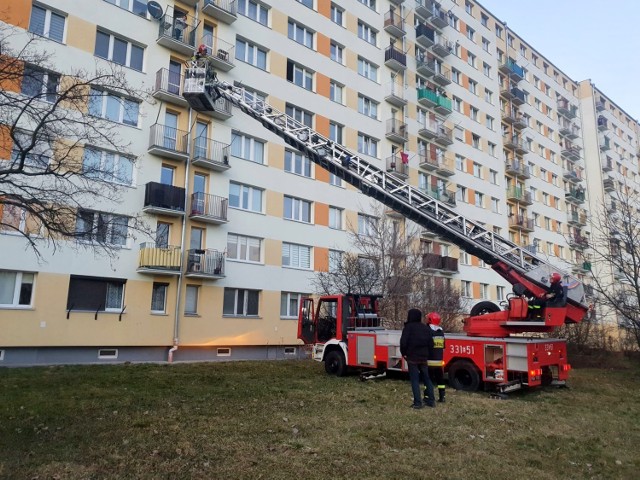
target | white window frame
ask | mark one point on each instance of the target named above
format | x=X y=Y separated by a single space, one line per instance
x=367 y=33
x=336 y=52
x=99 y=98
x=302 y=76
x=107 y=354
x=43 y=94
x=47 y=24
x=297 y=209
x=165 y=288
x=296 y=256
x=194 y=310
x=110 y=234
x=335 y=217
x=367 y=69
x=367 y=225
x=336 y=92
x=300 y=34
x=300 y=114
x=248 y=52
x=250 y=148
x=337 y=14
x=101 y=170
x=466 y=289
x=369 y=3
x=250 y=192
x=17 y=287
x=285 y=301
x=298 y=164
x=246 y=243
x=259 y=9
x=336 y=132
x=241 y=310
x=367 y=145
x=335 y=259
x=129 y=6
x=130 y=45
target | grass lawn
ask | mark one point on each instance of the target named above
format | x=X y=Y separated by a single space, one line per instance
x=290 y=420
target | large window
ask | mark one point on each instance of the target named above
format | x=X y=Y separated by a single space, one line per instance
x=47 y=23
x=296 y=256
x=369 y=3
x=366 y=33
x=241 y=247
x=335 y=132
x=335 y=218
x=336 y=92
x=16 y=289
x=13 y=219
x=367 y=145
x=246 y=147
x=113 y=107
x=159 y=297
x=295 y=162
x=245 y=197
x=40 y=84
x=119 y=50
x=337 y=52
x=337 y=14
x=335 y=260
x=251 y=54
x=300 y=34
x=367 y=225
x=303 y=116
x=290 y=304
x=367 y=107
x=191 y=300
x=240 y=303
x=367 y=69
x=139 y=7
x=102 y=227
x=37 y=157
x=299 y=75
x=297 y=209
x=107 y=166
x=95 y=294
x=254 y=10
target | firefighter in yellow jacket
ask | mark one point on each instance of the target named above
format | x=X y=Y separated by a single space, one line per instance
x=436 y=354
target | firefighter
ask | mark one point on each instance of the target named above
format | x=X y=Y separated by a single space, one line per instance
x=436 y=354
x=415 y=342
x=553 y=298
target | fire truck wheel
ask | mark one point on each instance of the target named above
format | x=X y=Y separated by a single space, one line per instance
x=464 y=376
x=335 y=364
x=482 y=308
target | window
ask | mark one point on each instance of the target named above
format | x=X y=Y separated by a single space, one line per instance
x=500 y=293
x=303 y=116
x=335 y=260
x=102 y=227
x=107 y=166
x=460 y=163
x=485 y=44
x=299 y=75
x=337 y=52
x=471 y=59
x=245 y=197
x=367 y=107
x=493 y=177
x=251 y=54
x=297 y=209
x=16 y=289
x=296 y=256
x=369 y=3
x=492 y=148
x=456 y=103
x=464 y=258
x=241 y=247
x=159 y=297
x=461 y=193
x=484 y=291
x=475 y=140
x=488 y=122
x=290 y=304
x=40 y=84
x=367 y=145
x=335 y=218
x=453 y=21
x=458 y=133
x=300 y=34
x=46 y=23
x=471 y=33
x=455 y=76
x=306 y=3
x=484 y=20
x=335 y=180
x=37 y=157
x=240 y=303
x=335 y=132
x=465 y=289
x=366 y=33
x=498 y=31
x=486 y=69
x=468 y=7
x=473 y=87
x=247 y=148
x=113 y=107
x=488 y=96
x=118 y=50
x=13 y=219
x=337 y=14
x=336 y=92
x=367 y=225
x=477 y=170
x=523 y=50
x=95 y=294
x=495 y=205
x=479 y=199
x=191 y=300
x=139 y=7
x=254 y=10
x=473 y=113
x=295 y=162
x=367 y=69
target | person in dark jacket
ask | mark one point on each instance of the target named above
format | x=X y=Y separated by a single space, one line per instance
x=436 y=353
x=414 y=347
x=553 y=298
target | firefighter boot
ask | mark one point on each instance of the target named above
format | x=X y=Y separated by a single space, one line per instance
x=441 y=395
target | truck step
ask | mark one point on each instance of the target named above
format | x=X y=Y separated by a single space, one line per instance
x=509 y=386
x=372 y=375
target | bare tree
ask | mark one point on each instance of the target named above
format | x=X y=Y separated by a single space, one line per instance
x=58 y=146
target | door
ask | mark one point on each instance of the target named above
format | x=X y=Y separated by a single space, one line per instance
x=306 y=326
x=200 y=144
x=208 y=36
x=170 y=131
x=199 y=189
x=162 y=235
x=166 y=175
x=175 y=71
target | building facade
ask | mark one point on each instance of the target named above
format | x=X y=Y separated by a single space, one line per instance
x=443 y=95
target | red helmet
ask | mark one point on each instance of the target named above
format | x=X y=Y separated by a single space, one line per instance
x=433 y=318
x=556 y=278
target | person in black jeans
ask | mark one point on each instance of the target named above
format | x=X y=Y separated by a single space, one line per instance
x=415 y=344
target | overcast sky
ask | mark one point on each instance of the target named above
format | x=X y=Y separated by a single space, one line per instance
x=586 y=39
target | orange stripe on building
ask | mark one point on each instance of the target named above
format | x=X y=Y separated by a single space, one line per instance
x=321 y=259
x=321 y=214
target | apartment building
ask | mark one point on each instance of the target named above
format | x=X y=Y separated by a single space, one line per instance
x=444 y=96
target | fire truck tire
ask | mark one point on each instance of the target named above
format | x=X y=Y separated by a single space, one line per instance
x=464 y=376
x=335 y=364
x=482 y=308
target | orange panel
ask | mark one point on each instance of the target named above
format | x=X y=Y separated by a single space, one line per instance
x=17 y=13
x=322 y=214
x=476 y=290
x=5 y=142
x=469 y=165
x=549 y=176
x=322 y=175
x=323 y=44
x=463 y=27
x=556 y=250
x=323 y=85
x=475 y=261
x=324 y=8
x=467 y=109
x=468 y=137
x=322 y=125
x=471 y=198
x=465 y=54
x=321 y=259
x=12 y=72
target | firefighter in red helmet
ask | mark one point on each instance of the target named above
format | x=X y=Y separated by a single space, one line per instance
x=553 y=298
x=436 y=353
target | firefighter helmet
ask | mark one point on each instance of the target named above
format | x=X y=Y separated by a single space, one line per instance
x=433 y=318
x=556 y=278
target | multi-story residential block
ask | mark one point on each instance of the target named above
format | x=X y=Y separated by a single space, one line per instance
x=446 y=97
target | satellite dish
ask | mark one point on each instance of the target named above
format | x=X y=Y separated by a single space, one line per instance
x=155 y=10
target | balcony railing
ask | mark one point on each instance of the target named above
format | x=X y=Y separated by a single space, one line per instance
x=603 y=124
x=397 y=130
x=570 y=152
x=168 y=142
x=428 y=128
x=442 y=76
x=608 y=185
x=163 y=199
x=607 y=165
x=425 y=36
x=434 y=261
x=155 y=259
x=426 y=66
x=208 y=208
x=397 y=166
x=442 y=194
x=168 y=87
x=511 y=68
x=395 y=58
x=205 y=263
x=519 y=195
x=572 y=175
x=575 y=195
x=424 y=8
x=518 y=169
x=442 y=46
x=224 y=10
x=444 y=135
x=521 y=222
x=516 y=143
x=177 y=33
x=427 y=97
x=566 y=109
x=220 y=53
x=394 y=24
x=444 y=105
x=439 y=18
x=605 y=145
x=578 y=241
x=395 y=94
x=210 y=154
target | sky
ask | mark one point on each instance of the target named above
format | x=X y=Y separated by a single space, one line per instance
x=586 y=39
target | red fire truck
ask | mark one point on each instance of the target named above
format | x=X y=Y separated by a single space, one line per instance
x=345 y=330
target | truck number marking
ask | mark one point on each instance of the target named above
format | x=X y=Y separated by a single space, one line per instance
x=462 y=349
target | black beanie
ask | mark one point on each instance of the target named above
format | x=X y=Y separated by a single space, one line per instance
x=414 y=315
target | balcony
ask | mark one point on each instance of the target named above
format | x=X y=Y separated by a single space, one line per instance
x=208 y=208
x=572 y=175
x=439 y=17
x=428 y=129
x=569 y=131
x=521 y=223
x=579 y=219
x=425 y=36
x=441 y=194
x=205 y=263
x=517 y=194
x=396 y=131
x=223 y=10
x=210 y=154
x=222 y=109
x=427 y=68
x=600 y=106
x=442 y=76
x=177 y=35
x=517 y=169
x=168 y=87
x=427 y=98
x=168 y=142
x=395 y=94
x=442 y=46
x=607 y=165
x=220 y=53
x=444 y=106
x=603 y=124
x=397 y=2
x=515 y=142
x=575 y=195
x=578 y=241
x=424 y=8
x=154 y=259
x=513 y=70
x=520 y=122
x=509 y=115
x=605 y=145
x=444 y=135
x=581 y=267
x=566 y=109
x=394 y=24
x=397 y=167
x=395 y=59
x=162 y=199
x=517 y=96
x=608 y=184
x=570 y=152
x=436 y=262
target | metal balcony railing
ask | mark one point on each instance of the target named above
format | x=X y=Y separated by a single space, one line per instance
x=394 y=24
x=179 y=29
x=205 y=262
x=168 y=82
x=395 y=58
x=207 y=205
x=511 y=68
x=209 y=152
x=396 y=164
x=167 y=138
x=153 y=256
x=518 y=194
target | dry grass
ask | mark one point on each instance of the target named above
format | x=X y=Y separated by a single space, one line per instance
x=289 y=420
